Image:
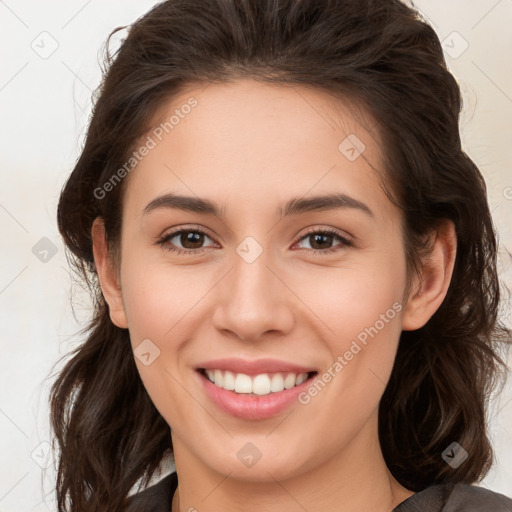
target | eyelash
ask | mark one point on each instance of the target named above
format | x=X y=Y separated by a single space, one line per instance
x=164 y=241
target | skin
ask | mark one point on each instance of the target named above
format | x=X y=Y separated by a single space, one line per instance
x=250 y=147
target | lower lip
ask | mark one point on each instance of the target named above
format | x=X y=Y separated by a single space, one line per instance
x=252 y=407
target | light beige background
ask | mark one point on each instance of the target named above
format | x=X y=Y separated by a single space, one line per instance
x=45 y=104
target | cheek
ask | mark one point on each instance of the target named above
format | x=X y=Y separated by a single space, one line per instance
x=360 y=314
x=159 y=303
x=364 y=317
x=157 y=296
x=354 y=297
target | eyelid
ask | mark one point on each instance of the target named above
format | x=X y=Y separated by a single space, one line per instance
x=170 y=233
x=346 y=237
x=185 y=227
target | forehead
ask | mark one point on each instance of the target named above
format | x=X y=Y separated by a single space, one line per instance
x=252 y=143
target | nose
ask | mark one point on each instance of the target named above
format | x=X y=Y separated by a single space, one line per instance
x=253 y=300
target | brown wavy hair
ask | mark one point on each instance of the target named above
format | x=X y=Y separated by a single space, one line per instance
x=379 y=53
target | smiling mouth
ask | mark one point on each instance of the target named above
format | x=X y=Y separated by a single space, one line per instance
x=255 y=385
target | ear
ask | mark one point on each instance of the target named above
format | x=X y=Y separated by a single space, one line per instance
x=107 y=274
x=430 y=288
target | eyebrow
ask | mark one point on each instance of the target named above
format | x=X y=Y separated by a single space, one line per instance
x=292 y=207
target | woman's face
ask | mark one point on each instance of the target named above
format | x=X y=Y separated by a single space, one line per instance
x=261 y=279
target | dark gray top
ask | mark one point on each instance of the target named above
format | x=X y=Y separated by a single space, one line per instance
x=437 y=498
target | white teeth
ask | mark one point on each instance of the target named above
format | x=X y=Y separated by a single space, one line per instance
x=217 y=374
x=229 y=381
x=289 y=382
x=261 y=384
x=277 y=383
x=243 y=383
x=301 y=378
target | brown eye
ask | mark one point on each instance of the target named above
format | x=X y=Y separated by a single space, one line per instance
x=184 y=241
x=191 y=239
x=321 y=241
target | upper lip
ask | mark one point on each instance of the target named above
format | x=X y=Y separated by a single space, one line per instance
x=254 y=367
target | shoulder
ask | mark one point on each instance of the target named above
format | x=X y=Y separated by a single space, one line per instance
x=471 y=498
x=156 y=498
x=456 y=498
